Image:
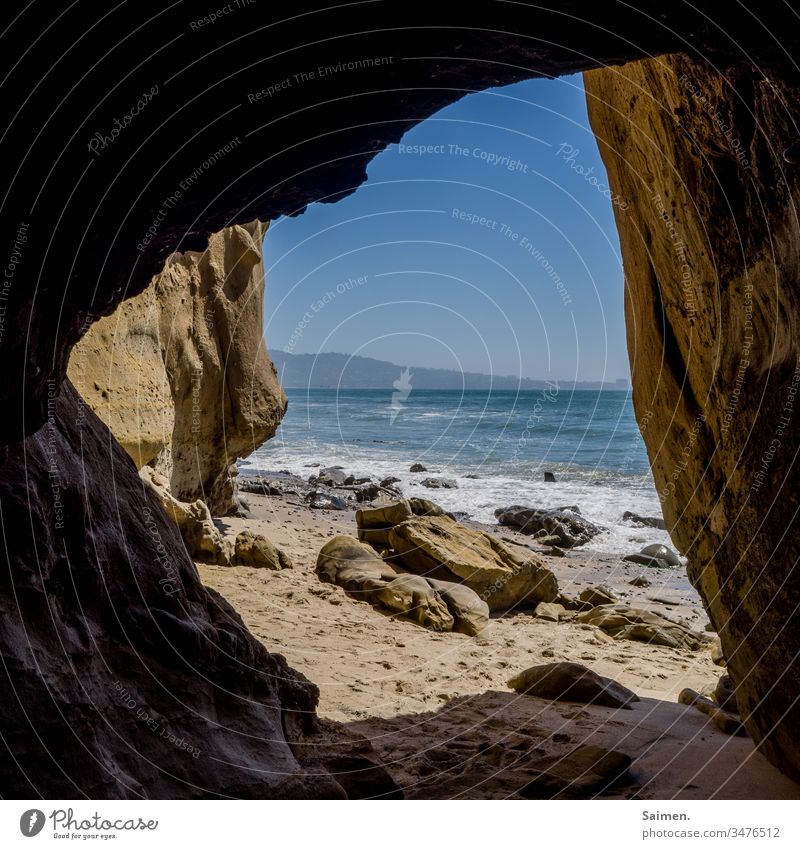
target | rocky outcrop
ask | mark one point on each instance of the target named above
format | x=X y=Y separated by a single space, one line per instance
x=125 y=676
x=180 y=373
x=572 y=682
x=632 y=623
x=564 y=527
x=703 y=163
x=205 y=543
x=505 y=576
x=437 y=605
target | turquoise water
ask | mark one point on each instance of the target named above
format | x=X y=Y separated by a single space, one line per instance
x=588 y=439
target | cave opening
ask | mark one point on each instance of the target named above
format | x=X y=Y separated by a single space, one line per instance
x=450 y=336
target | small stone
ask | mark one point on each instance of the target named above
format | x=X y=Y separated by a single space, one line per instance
x=550 y=611
x=597 y=596
x=639 y=581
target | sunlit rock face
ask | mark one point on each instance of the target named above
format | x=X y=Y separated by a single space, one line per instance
x=180 y=372
x=702 y=165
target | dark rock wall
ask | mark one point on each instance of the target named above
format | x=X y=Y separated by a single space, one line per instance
x=124 y=676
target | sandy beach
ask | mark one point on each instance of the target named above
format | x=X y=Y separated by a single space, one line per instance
x=436 y=706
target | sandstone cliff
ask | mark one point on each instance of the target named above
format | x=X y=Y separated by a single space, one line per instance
x=179 y=373
x=711 y=247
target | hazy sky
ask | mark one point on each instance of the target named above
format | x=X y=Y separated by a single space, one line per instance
x=491 y=249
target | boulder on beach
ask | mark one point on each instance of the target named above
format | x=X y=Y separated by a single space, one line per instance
x=639 y=581
x=331 y=476
x=564 y=526
x=656 y=555
x=469 y=610
x=203 y=540
x=320 y=500
x=572 y=682
x=550 y=611
x=259 y=486
x=375 y=523
x=424 y=507
x=631 y=623
x=725 y=694
x=257 y=551
x=596 y=596
x=437 y=605
x=549 y=477
x=439 y=483
x=418 y=467
x=503 y=575
x=368 y=492
x=644 y=521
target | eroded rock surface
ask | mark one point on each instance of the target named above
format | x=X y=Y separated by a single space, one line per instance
x=438 y=605
x=632 y=623
x=707 y=219
x=564 y=527
x=572 y=682
x=502 y=574
x=180 y=373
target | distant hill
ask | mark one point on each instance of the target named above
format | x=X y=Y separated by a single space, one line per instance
x=329 y=371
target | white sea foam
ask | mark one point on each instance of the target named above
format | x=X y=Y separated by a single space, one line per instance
x=601 y=496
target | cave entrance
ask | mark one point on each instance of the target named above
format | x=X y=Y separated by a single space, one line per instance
x=463 y=310
x=452 y=332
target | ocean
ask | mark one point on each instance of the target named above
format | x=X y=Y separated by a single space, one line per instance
x=588 y=439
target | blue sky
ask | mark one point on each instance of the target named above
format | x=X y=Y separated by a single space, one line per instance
x=484 y=241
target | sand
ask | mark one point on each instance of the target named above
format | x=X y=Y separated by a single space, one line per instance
x=437 y=707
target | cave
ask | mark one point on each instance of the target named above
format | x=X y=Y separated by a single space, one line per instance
x=104 y=613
